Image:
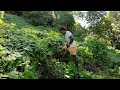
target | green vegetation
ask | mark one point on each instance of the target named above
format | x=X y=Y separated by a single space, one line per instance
x=28 y=51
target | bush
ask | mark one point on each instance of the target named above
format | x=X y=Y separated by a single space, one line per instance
x=19 y=13
x=98 y=49
x=39 y=17
x=54 y=70
x=71 y=72
x=85 y=54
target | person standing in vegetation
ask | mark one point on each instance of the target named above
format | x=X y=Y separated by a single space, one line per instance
x=2 y=14
x=71 y=45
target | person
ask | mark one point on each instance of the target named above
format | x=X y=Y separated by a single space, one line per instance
x=2 y=14
x=71 y=45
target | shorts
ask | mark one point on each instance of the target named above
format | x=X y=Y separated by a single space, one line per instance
x=72 y=50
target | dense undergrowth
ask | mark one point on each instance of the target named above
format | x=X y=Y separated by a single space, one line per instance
x=30 y=52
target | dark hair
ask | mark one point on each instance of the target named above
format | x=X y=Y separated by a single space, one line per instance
x=63 y=28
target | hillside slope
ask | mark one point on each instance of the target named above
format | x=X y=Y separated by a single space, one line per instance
x=31 y=52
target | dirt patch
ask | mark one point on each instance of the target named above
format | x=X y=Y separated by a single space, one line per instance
x=91 y=67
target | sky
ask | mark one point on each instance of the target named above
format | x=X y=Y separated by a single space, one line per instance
x=81 y=21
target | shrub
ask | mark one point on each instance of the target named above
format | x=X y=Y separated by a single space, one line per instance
x=98 y=49
x=85 y=54
x=19 y=13
x=39 y=17
x=54 y=69
x=71 y=72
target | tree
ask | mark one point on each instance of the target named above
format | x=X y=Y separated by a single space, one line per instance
x=94 y=17
x=64 y=18
x=103 y=28
x=114 y=17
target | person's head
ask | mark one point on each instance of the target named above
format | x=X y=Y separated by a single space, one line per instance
x=62 y=30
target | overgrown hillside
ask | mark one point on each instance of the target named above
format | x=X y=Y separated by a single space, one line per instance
x=32 y=52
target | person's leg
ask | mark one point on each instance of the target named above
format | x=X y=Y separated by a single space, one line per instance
x=75 y=60
x=62 y=53
x=74 y=55
x=63 y=50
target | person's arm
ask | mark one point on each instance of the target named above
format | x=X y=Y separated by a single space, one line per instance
x=71 y=40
